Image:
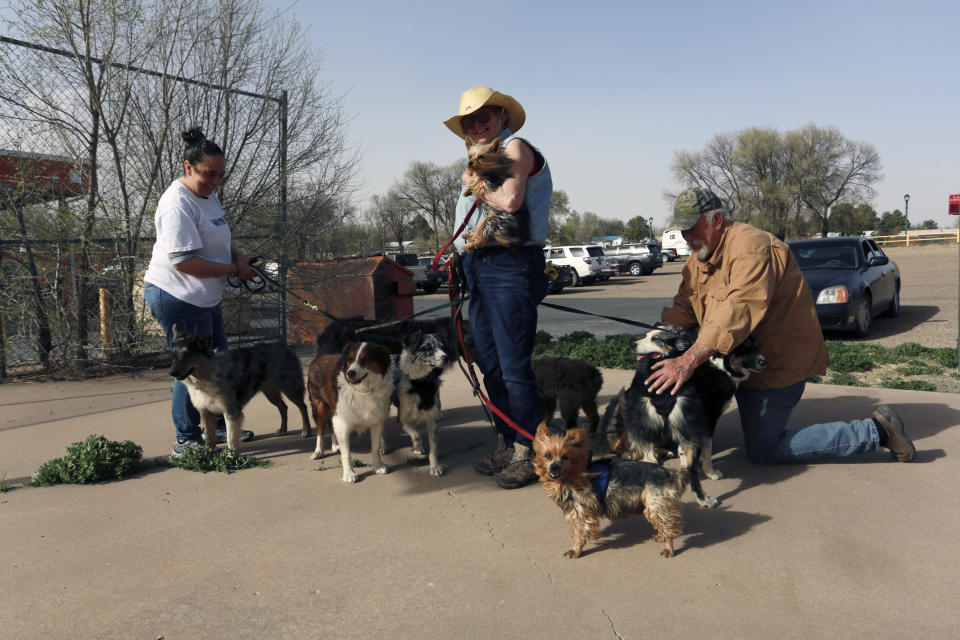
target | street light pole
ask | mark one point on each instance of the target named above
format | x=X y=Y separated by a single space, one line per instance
x=906 y=217
x=651 y=229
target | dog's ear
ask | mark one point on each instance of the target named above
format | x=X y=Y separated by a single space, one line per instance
x=495 y=145
x=468 y=143
x=542 y=436
x=411 y=340
x=205 y=345
x=577 y=437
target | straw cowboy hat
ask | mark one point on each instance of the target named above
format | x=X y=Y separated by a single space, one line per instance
x=473 y=99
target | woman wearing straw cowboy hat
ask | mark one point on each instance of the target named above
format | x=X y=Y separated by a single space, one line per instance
x=506 y=285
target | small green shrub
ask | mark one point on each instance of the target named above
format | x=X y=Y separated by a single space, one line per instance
x=945 y=357
x=909 y=350
x=847 y=358
x=223 y=460
x=96 y=459
x=918 y=368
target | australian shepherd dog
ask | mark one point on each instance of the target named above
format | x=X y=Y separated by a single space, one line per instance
x=224 y=381
x=350 y=392
x=638 y=422
x=416 y=382
x=589 y=492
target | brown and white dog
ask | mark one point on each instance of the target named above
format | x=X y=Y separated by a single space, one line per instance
x=351 y=392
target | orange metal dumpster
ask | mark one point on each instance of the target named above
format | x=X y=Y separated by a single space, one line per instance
x=374 y=288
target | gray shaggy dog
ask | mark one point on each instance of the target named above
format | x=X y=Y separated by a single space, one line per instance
x=574 y=384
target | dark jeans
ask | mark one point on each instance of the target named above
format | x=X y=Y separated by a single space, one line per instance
x=763 y=417
x=169 y=312
x=505 y=288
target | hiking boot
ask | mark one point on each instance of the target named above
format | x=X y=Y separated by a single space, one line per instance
x=179 y=446
x=496 y=461
x=519 y=472
x=245 y=436
x=900 y=445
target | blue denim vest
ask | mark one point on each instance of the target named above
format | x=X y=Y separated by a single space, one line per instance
x=536 y=196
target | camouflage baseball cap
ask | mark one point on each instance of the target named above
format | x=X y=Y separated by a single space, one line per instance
x=690 y=204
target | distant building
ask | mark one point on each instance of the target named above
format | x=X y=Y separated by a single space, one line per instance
x=607 y=241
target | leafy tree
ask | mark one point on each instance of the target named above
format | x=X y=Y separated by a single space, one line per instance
x=559 y=209
x=891 y=223
x=928 y=225
x=637 y=229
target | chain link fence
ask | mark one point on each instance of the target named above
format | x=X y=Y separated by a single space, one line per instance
x=87 y=147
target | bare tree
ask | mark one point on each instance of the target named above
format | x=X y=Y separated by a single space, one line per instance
x=432 y=192
x=391 y=214
x=827 y=168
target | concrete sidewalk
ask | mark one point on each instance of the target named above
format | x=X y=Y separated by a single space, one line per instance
x=839 y=550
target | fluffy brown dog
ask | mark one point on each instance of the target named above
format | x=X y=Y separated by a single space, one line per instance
x=587 y=492
x=491 y=167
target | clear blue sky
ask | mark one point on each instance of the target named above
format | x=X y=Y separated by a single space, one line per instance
x=613 y=89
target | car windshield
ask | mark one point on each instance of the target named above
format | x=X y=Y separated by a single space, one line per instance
x=826 y=256
x=426 y=262
x=595 y=251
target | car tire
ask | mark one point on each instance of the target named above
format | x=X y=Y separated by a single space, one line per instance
x=604 y=278
x=864 y=316
x=894 y=310
x=576 y=279
x=636 y=269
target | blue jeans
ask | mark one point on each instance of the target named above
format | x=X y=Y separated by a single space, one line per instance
x=169 y=312
x=764 y=414
x=505 y=288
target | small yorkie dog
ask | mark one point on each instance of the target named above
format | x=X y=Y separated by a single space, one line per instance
x=587 y=492
x=491 y=167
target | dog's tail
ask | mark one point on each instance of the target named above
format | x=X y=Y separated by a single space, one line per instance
x=612 y=420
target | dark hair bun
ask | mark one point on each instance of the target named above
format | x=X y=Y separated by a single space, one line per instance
x=193 y=136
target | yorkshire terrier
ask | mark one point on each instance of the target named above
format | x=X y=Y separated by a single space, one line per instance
x=588 y=492
x=491 y=167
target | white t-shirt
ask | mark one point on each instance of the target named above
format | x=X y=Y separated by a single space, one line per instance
x=187 y=222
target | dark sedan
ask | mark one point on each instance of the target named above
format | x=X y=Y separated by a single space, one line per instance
x=851 y=279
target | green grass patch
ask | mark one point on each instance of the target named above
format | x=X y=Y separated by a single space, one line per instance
x=612 y=352
x=96 y=459
x=910 y=385
x=224 y=460
x=845 y=379
x=4 y=485
x=918 y=368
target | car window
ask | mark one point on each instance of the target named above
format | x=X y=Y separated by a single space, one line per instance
x=556 y=254
x=827 y=257
x=576 y=252
x=876 y=248
x=595 y=251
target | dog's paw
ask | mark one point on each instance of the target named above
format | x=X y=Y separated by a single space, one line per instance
x=419 y=451
x=382 y=469
x=316 y=455
x=280 y=432
x=349 y=476
x=708 y=502
x=437 y=470
x=335 y=447
x=572 y=553
x=305 y=433
x=714 y=475
x=666 y=553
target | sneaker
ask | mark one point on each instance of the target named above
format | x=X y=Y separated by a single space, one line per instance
x=245 y=436
x=180 y=446
x=519 y=472
x=900 y=445
x=495 y=462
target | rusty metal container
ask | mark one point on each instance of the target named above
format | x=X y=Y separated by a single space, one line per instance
x=375 y=288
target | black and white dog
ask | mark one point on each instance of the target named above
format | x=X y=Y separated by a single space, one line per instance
x=638 y=422
x=225 y=381
x=416 y=386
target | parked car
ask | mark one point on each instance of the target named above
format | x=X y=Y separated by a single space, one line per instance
x=429 y=282
x=587 y=261
x=670 y=254
x=851 y=279
x=564 y=279
x=637 y=259
x=433 y=279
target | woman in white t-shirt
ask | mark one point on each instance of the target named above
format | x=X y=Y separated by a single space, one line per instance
x=192 y=258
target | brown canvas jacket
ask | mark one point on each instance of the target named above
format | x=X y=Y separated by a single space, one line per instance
x=753 y=285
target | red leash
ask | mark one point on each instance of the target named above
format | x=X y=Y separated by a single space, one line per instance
x=457 y=316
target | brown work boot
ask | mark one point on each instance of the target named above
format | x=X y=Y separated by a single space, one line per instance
x=901 y=447
x=519 y=472
x=496 y=461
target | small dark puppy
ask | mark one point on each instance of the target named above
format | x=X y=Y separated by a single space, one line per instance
x=416 y=390
x=225 y=381
x=587 y=492
x=638 y=422
x=491 y=167
x=573 y=383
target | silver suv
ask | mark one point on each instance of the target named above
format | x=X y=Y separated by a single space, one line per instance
x=637 y=259
x=586 y=259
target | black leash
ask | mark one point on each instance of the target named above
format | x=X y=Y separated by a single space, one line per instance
x=633 y=323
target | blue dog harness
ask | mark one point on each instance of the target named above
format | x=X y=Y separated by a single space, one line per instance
x=599 y=481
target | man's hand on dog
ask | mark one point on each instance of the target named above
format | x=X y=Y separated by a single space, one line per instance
x=671 y=373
